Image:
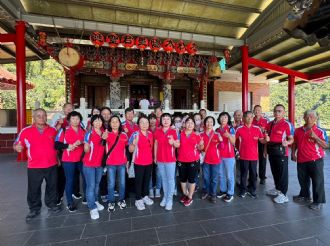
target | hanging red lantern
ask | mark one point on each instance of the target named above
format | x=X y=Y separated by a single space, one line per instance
x=42 y=39
x=141 y=42
x=155 y=44
x=113 y=40
x=127 y=40
x=191 y=48
x=168 y=45
x=226 y=52
x=180 y=47
x=97 y=39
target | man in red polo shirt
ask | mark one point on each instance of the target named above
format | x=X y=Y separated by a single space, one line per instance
x=39 y=142
x=262 y=122
x=307 y=151
x=248 y=136
x=280 y=132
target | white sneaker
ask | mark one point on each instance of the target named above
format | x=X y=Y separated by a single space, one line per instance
x=281 y=198
x=163 y=203
x=151 y=193
x=157 y=194
x=99 y=206
x=147 y=201
x=139 y=204
x=169 y=206
x=94 y=214
x=104 y=199
x=273 y=192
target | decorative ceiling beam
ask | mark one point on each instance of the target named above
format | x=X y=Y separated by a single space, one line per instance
x=77 y=24
x=299 y=58
x=226 y=6
x=133 y=10
x=28 y=58
x=7 y=50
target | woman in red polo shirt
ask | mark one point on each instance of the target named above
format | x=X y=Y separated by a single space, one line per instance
x=188 y=160
x=141 y=144
x=116 y=162
x=212 y=159
x=166 y=140
x=71 y=142
x=92 y=165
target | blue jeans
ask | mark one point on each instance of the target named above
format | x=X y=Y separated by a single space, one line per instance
x=167 y=174
x=69 y=169
x=93 y=177
x=120 y=170
x=210 y=176
x=227 y=176
x=158 y=179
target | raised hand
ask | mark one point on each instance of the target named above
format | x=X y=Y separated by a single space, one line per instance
x=226 y=134
x=105 y=134
x=313 y=135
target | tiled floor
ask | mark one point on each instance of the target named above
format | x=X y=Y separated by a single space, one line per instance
x=243 y=222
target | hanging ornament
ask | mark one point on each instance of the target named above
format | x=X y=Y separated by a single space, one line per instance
x=42 y=39
x=155 y=44
x=180 y=47
x=127 y=40
x=168 y=45
x=227 y=54
x=191 y=48
x=97 y=39
x=214 y=70
x=141 y=42
x=113 y=40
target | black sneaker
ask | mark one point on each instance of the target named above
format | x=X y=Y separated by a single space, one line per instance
x=252 y=195
x=262 y=181
x=221 y=194
x=71 y=208
x=84 y=201
x=111 y=207
x=242 y=194
x=315 y=206
x=55 y=209
x=228 y=198
x=59 y=201
x=122 y=204
x=77 y=196
x=213 y=199
x=32 y=215
x=204 y=195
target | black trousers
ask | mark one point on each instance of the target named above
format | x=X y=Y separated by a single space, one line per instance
x=104 y=185
x=262 y=161
x=312 y=170
x=250 y=167
x=279 y=168
x=35 y=179
x=130 y=182
x=142 y=180
x=60 y=182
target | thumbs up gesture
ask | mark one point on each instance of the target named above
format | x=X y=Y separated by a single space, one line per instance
x=125 y=129
x=312 y=134
x=105 y=134
x=267 y=138
x=19 y=147
x=226 y=134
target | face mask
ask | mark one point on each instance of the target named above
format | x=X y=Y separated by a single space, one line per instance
x=178 y=125
x=198 y=122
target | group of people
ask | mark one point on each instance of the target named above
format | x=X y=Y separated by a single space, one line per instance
x=111 y=153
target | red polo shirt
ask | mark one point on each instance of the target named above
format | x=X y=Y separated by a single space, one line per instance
x=118 y=154
x=131 y=127
x=143 y=153
x=212 y=154
x=248 y=142
x=228 y=150
x=165 y=151
x=94 y=157
x=188 y=151
x=70 y=136
x=279 y=131
x=40 y=147
x=262 y=122
x=307 y=147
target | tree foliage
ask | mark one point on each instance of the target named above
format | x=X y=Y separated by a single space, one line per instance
x=307 y=96
x=49 y=81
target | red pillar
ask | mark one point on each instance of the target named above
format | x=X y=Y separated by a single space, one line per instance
x=72 y=82
x=245 y=77
x=20 y=78
x=291 y=97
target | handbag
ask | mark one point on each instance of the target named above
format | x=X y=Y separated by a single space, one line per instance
x=202 y=156
x=130 y=171
x=276 y=149
x=106 y=155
